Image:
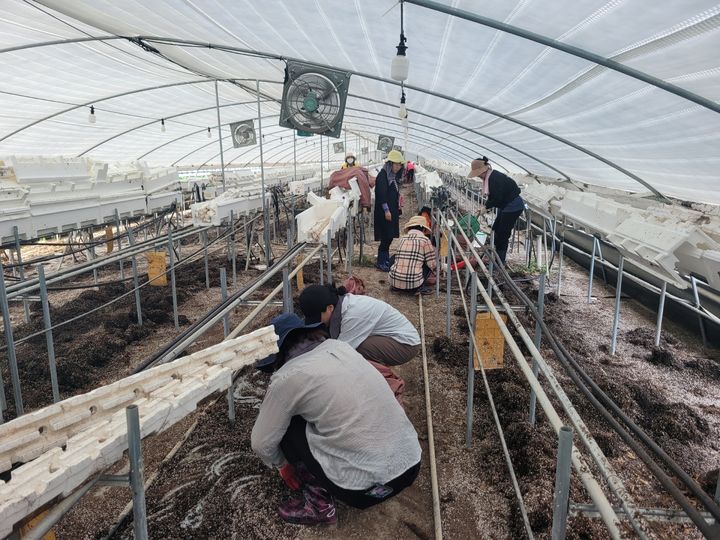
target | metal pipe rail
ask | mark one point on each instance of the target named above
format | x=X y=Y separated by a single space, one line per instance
x=173 y=349
x=602 y=401
x=591 y=485
x=31 y=285
x=127 y=293
x=606 y=469
x=506 y=453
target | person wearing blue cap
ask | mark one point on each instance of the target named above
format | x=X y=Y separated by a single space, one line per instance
x=331 y=425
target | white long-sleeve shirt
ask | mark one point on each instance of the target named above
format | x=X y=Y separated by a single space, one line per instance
x=364 y=316
x=356 y=429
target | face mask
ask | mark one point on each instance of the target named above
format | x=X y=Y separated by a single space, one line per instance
x=350 y=161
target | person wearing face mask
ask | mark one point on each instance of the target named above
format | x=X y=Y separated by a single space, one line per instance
x=502 y=193
x=350 y=161
x=387 y=207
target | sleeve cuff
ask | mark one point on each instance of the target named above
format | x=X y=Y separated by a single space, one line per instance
x=385 y=207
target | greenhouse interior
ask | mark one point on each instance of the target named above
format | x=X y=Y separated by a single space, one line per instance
x=376 y=269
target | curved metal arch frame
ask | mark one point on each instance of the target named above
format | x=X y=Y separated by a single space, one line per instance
x=175 y=41
x=140 y=40
x=449 y=150
x=569 y=49
x=476 y=132
x=146 y=124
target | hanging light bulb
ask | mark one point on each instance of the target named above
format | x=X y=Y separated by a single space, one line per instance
x=400 y=66
x=162 y=125
x=91 y=117
x=209 y=133
x=402 y=111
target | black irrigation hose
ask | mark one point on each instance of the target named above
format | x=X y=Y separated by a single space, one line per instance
x=150 y=362
x=576 y=372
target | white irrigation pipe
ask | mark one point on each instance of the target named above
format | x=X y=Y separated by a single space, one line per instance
x=431 y=436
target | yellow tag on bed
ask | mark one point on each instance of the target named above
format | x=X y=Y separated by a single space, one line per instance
x=443 y=245
x=490 y=341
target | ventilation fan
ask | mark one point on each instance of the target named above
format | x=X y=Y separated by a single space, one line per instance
x=338 y=147
x=314 y=99
x=243 y=133
x=385 y=143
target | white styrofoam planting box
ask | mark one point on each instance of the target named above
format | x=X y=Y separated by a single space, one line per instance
x=323 y=215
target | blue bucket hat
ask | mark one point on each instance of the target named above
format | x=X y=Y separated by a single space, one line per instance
x=284 y=325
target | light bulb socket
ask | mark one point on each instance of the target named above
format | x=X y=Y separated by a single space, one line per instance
x=162 y=125
x=209 y=133
x=91 y=116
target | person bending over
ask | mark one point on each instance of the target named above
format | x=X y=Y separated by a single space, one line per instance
x=378 y=331
x=332 y=427
x=502 y=193
x=414 y=264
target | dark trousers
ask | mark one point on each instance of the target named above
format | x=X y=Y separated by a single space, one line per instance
x=385 y=244
x=503 y=227
x=295 y=447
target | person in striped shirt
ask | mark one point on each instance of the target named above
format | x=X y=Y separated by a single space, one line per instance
x=414 y=260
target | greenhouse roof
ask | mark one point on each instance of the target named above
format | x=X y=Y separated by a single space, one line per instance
x=617 y=93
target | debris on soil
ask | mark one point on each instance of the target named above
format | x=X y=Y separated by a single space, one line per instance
x=661 y=356
x=709 y=481
x=645 y=337
x=669 y=421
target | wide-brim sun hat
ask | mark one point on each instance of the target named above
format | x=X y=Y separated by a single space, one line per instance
x=285 y=325
x=395 y=156
x=477 y=167
x=417 y=221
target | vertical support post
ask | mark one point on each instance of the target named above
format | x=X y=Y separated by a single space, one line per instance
x=697 y=305
x=21 y=270
x=351 y=243
x=234 y=249
x=12 y=359
x=171 y=255
x=93 y=254
x=562 y=483
x=592 y=271
x=205 y=258
x=136 y=472
x=538 y=337
x=362 y=235
x=436 y=222
x=219 y=129
x=717 y=490
x=560 y=266
x=528 y=236
x=223 y=297
x=329 y=263
x=492 y=263
x=322 y=274
x=661 y=310
x=48 y=332
x=118 y=242
x=471 y=366
x=287 y=291
x=322 y=174
x=448 y=284
x=136 y=284
x=618 y=293
x=266 y=223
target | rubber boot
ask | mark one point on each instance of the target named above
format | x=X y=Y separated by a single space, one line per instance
x=317 y=507
x=383 y=263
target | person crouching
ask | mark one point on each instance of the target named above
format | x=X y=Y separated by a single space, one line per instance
x=331 y=425
x=413 y=269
